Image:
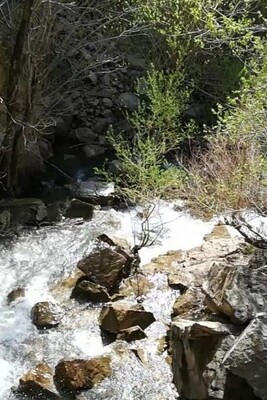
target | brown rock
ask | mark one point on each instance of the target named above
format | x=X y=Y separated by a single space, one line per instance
x=46 y=315
x=38 y=383
x=131 y=334
x=191 y=303
x=218 y=232
x=15 y=294
x=137 y=285
x=117 y=317
x=105 y=267
x=89 y=291
x=77 y=375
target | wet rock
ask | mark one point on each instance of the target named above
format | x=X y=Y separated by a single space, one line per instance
x=38 y=383
x=79 y=209
x=131 y=334
x=26 y=211
x=93 y=150
x=237 y=291
x=15 y=294
x=116 y=317
x=105 y=267
x=94 y=192
x=141 y=355
x=193 y=345
x=89 y=291
x=247 y=357
x=190 y=304
x=46 y=315
x=77 y=375
x=114 y=241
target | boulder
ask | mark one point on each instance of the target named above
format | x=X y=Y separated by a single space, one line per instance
x=247 y=357
x=106 y=267
x=94 y=192
x=193 y=345
x=84 y=135
x=128 y=100
x=78 y=375
x=237 y=291
x=79 y=209
x=190 y=304
x=132 y=333
x=89 y=291
x=38 y=383
x=15 y=294
x=46 y=315
x=115 y=318
x=28 y=211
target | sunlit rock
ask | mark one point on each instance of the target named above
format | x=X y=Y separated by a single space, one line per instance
x=77 y=375
x=116 y=317
x=131 y=334
x=46 y=315
x=38 y=384
x=89 y=291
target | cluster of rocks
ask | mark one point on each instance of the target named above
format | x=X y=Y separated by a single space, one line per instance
x=97 y=280
x=218 y=337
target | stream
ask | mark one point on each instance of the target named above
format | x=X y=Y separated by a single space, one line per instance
x=40 y=258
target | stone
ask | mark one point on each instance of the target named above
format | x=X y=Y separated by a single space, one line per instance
x=131 y=334
x=94 y=192
x=137 y=285
x=115 y=167
x=15 y=294
x=114 y=241
x=247 y=357
x=79 y=209
x=46 y=315
x=107 y=102
x=89 y=291
x=78 y=375
x=38 y=383
x=189 y=304
x=93 y=150
x=218 y=232
x=237 y=291
x=84 y=135
x=141 y=355
x=116 y=317
x=105 y=267
x=25 y=211
x=128 y=100
x=193 y=344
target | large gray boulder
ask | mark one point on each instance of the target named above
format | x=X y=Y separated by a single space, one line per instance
x=247 y=357
x=237 y=291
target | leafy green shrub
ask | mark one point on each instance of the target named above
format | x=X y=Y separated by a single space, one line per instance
x=156 y=130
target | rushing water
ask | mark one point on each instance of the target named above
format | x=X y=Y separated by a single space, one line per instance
x=38 y=259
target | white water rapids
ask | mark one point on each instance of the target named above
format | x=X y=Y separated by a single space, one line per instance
x=38 y=259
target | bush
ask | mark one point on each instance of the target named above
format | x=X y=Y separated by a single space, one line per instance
x=156 y=131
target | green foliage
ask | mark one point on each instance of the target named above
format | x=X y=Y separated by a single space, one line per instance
x=232 y=174
x=156 y=130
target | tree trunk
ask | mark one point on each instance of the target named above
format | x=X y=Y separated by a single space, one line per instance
x=17 y=108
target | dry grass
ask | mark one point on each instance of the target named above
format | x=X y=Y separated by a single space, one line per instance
x=230 y=175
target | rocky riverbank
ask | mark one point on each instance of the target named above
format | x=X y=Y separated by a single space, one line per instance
x=199 y=315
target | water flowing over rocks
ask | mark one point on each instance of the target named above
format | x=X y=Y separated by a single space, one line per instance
x=77 y=375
